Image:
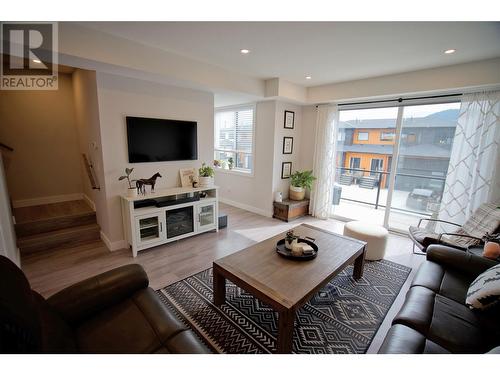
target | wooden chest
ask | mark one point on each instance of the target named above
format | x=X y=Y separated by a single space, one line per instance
x=289 y=210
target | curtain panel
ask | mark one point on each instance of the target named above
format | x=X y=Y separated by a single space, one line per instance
x=324 y=161
x=473 y=173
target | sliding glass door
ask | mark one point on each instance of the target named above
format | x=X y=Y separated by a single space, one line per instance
x=392 y=162
x=427 y=133
x=364 y=150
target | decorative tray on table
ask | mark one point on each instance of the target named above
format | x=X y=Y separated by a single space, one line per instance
x=284 y=252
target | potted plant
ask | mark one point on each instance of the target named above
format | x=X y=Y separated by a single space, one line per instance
x=300 y=181
x=230 y=162
x=132 y=191
x=206 y=178
x=219 y=164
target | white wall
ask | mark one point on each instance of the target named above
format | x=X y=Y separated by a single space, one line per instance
x=254 y=193
x=41 y=127
x=89 y=137
x=307 y=137
x=118 y=97
x=460 y=77
x=280 y=184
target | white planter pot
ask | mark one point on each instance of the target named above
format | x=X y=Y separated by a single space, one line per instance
x=297 y=193
x=132 y=193
x=205 y=181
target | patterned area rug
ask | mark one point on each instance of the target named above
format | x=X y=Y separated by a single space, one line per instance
x=341 y=318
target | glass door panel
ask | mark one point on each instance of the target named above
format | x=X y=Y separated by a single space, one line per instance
x=150 y=228
x=365 y=146
x=427 y=133
x=206 y=216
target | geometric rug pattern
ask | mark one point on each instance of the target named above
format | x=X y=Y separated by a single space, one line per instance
x=343 y=317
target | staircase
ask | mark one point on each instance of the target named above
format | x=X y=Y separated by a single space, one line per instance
x=55 y=226
x=345 y=179
x=367 y=182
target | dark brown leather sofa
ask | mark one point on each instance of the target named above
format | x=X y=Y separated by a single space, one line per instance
x=434 y=317
x=114 y=312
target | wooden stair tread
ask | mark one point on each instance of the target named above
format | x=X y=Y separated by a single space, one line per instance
x=28 y=228
x=51 y=211
x=59 y=239
x=41 y=220
x=59 y=232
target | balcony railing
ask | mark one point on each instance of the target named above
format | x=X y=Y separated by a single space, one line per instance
x=370 y=179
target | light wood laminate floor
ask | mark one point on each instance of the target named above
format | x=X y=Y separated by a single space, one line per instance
x=50 y=272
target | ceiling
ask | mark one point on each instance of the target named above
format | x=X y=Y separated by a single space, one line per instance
x=327 y=51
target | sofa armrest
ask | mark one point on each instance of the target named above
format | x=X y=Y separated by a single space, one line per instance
x=97 y=293
x=460 y=260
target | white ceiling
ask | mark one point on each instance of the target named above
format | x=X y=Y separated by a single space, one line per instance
x=328 y=51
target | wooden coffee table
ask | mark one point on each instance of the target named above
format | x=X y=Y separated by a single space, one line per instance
x=287 y=284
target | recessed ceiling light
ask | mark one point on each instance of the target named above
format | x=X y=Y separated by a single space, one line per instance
x=450 y=51
x=36 y=61
x=308 y=77
x=245 y=51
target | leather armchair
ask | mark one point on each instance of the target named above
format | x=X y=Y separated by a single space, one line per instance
x=114 y=312
x=434 y=317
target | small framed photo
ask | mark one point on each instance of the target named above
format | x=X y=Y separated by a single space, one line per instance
x=287 y=145
x=188 y=176
x=286 y=169
x=289 y=119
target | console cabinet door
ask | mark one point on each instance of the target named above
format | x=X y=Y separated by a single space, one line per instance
x=205 y=217
x=150 y=229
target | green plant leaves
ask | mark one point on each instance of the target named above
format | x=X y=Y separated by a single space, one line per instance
x=303 y=179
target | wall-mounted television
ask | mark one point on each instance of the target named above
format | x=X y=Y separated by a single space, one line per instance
x=153 y=140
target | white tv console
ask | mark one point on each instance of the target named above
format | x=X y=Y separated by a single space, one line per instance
x=151 y=226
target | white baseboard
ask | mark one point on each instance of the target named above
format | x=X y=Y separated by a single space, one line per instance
x=89 y=201
x=47 y=200
x=247 y=207
x=113 y=246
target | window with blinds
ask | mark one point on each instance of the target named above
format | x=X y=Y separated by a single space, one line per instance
x=234 y=136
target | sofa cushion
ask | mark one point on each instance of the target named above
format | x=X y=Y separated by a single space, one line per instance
x=444 y=321
x=449 y=283
x=484 y=291
x=404 y=340
x=141 y=324
x=57 y=335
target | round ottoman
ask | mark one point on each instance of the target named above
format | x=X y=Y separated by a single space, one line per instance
x=375 y=237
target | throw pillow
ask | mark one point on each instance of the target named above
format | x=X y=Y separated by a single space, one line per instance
x=484 y=291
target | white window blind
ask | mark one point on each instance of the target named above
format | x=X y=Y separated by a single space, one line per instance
x=234 y=137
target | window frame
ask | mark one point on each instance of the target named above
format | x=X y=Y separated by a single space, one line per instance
x=235 y=108
x=363 y=140
x=384 y=133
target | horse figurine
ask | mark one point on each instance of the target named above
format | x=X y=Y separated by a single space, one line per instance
x=141 y=183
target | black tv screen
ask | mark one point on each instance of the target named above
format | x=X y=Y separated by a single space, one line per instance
x=151 y=140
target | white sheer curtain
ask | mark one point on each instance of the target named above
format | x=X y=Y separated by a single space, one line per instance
x=474 y=170
x=324 y=161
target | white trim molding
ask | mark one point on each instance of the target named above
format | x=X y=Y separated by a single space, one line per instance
x=47 y=200
x=247 y=207
x=89 y=201
x=113 y=246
